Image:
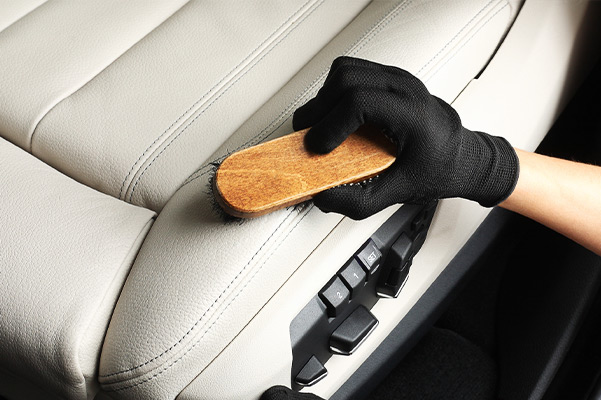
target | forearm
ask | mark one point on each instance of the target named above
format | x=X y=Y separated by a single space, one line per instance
x=562 y=195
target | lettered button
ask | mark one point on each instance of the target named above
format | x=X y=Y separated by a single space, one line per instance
x=369 y=257
x=335 y=296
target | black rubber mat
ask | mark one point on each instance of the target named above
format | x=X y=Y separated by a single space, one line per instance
x=443 y=365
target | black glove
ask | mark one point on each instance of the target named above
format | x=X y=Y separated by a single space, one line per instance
x=436 y=156
x=283 y=393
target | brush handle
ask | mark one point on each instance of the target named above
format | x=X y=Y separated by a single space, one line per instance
x=282 y=172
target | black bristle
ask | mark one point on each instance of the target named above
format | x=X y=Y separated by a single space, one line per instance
x=217 y=209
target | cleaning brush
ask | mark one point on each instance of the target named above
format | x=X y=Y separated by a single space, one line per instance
x=282 y=172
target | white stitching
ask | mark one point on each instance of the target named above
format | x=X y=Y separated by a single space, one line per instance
x=468 y=40
x=208 y=309
x=455 y=37
x=56 y=102
x=165 y=368
x=372 y=31
x=223 y=79
x=257 y=138
x=224 y=91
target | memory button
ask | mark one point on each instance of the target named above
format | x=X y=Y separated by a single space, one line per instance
x=335 y=296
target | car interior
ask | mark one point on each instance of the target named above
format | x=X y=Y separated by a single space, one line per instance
x=120 y=278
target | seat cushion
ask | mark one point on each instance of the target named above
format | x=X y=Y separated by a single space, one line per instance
x=65 y=251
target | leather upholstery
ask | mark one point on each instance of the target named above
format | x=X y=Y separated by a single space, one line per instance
x=13 y=10
x=65 y=251
x=175 y=96
x=220 y=274
x=56 y=48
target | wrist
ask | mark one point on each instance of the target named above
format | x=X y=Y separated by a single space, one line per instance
x=489 y=168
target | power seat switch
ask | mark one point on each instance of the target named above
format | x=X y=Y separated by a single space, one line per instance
x=353 y=331
x=335 y=295
x=370 y=258
x=398 y=262
x=312 y=372
x=353 y=276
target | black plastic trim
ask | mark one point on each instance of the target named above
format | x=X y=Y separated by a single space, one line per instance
x=426 y=311
x=311 y=329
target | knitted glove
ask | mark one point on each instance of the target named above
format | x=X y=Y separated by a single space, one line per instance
x=283 y=393
x=436 y=156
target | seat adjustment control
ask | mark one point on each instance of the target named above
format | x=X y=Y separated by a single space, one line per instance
x=335 y=296
x=353 y=276
x=312 y=372
x=353 y=331
x=369 y=257
x=338 y=318
x=398 y=262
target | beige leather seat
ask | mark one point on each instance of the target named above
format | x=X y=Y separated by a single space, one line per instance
x=111 y=116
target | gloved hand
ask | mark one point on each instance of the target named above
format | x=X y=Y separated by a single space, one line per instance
x=436 y=156
x=283 y=393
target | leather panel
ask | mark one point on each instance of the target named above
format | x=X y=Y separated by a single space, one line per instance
x=65 y=251
x=222 y=274
x=177 y=95
x=13 y=10
x=55 y=49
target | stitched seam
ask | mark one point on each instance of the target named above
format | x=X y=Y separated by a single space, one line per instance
x=167 y=367
x=456 y=35
x=216 y=99
x=468 y=40
x=95 y=75
x=125 y=263
x=377 y=29
x=210 y=307
x=222 y=80
x=259 y=137
x=224 y=91
x=371 y=32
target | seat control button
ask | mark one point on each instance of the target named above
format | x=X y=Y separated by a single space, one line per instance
x=335 y=296
x=353 y=276
x=397 y=280
x=353 y=331
x=312 y=372
x=398 y=261
x=369 y=257
x=402 y=250
x=419 y=221
x=398 y=276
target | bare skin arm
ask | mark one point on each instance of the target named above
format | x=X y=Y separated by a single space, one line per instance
x=562 y=195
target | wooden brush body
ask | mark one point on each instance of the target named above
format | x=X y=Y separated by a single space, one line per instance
x=282 y=172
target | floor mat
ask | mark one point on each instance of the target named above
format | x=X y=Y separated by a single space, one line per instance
x=443 y=365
